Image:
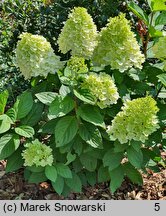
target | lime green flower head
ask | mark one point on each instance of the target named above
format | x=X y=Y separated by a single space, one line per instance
x=159 y=50
x=117 y=46
x=78 y=34
x=102 y=88
x=37 y=154
x=35 y=57
x=136 y=121
x=77 y=65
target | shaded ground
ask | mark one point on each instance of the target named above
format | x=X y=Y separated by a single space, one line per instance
x=13 y=186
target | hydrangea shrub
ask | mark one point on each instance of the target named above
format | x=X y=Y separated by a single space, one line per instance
x=83 y=121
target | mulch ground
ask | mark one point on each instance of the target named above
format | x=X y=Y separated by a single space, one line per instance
x=13 y=187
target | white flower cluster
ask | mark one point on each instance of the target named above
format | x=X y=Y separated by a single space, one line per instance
x=102 y=88
x=136 y=121
x=35 y=57
x=37 y=154
x=117 y=46
x=78 y=34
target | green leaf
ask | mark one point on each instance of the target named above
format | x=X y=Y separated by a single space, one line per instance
x=118 y=147
x=9 y=143
x=49 y=127
x=12 y=114
x=68 y=72
x=141 y=87
x=118 y=76
x=136 y=145
x=77 y=166
x=63 y=170
x=132 y=173
x=162 y=94
x=156 y=137
x=161 y=113
x=103 y=174
x=64 y=90
x=58 y=185
x=40 y=87
x=75 y=183
x=37 y=177
x=5 y=123
x=147 y=155
x=117 y=176
x=3 y=100
x=91 y=114
x=91 y=135
x=138 y=12
x=149 y=3
x=34 y=115
x=123 y=90
x=51 y=173
x=155 y=32
x=14 y=161
x=35 y=169
x=89 y=162
x=78 y=145
x=46 y=97
x=25 y=131
x=135 y=157
x=70 y=158
x=152 y=73
x=161 y=19
x=83 y=178
x=158 y=5
x=66 y=191
x=66 y=148
x=27 y=174
x=60 y=107
x=84 y=96
x=91 y=178
x=23 y=105
x=162 y=78
x=65 y=130
x=112 y=159
x=95 y=153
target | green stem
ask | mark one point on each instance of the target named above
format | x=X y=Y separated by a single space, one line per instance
x=158 y=92
x=76 y=108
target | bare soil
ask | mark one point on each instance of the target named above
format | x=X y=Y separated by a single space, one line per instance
x=13 y=187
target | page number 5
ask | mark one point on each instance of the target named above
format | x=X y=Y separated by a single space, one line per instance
x=157 y=207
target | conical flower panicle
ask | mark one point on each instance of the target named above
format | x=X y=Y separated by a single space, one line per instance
x=136 y=121
x=117 y=46
x=37 y=154
x=77 y=65
x=102 y=88
x=35 y=57
x=78 y=34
